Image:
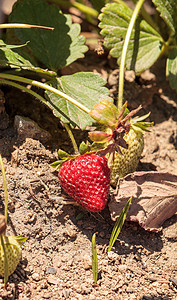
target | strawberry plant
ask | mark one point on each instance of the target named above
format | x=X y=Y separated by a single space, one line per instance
x=49 y=52
x=149 y=39
x=77 y=100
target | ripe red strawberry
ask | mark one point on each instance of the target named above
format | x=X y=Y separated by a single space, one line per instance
x=87 y=180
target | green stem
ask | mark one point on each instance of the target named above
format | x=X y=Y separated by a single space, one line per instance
x=69 y=131
x=148 y=18
x=45 y=87
x=5 y=260
x=124 y=51
x=16 y=25
x=23 y=88
x=83 y=8
x=5 y=187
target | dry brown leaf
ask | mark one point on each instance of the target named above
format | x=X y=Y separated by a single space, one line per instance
x=154 y=198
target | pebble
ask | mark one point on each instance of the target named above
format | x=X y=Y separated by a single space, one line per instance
x=122 y=268
x=51 y=270
x=47 y=296
x=52 y=279
x=66 y=293
x=112 y=255
x=87 y=264
x=35 y=276
x=28 y=128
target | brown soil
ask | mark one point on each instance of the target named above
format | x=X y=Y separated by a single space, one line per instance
x=56 y=262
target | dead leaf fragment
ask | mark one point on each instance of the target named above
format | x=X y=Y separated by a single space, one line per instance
x=154 y=198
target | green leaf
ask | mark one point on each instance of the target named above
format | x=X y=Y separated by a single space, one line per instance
x=3 y=45
x=118 y=225
x=145 y=43
x=94 y=259
x=171 y=70
x=21 y=239
x=85 y=87
x=84 y=147
x=168 y=11
x=57 y=48
x=10 y=58
x=62 y=154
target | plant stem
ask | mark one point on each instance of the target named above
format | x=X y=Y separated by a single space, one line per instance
x=16 y=25
x=5 y=188
x=83 y=8
x=45 y=87
x=69 y=131
x=94 y=259
x=124 y=51
x=23 y=88
x=148 y=18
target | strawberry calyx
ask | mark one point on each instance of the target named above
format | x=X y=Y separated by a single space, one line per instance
x=116 y=130
x=138 y=125
x=117 y=123
x=84 y=148
x=20 y=239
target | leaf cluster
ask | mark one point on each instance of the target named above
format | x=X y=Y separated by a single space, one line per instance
x=148 y=40
x=44 y=53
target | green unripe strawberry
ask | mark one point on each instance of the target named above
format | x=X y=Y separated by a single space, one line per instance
x=127 y=163
x=13 y=252
x=122 y=137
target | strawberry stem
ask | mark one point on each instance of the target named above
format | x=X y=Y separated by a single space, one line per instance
x=23 y=88
x=83 y=8
x=5 y=187
x=16 y=25
x=124 y=52
x=45 y=87
x=69 y=131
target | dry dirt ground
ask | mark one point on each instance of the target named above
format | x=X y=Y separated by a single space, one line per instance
x=56 y=262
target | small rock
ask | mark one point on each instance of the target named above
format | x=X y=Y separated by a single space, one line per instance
x=87 y=264
x=47 y=296
x=130 y=75
x=113 y=77
x=35 y=276
x=147 y=75
x=52 y=279
x=112 y=255
x=122 y=268
x=27 y=128
x=51 y=270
